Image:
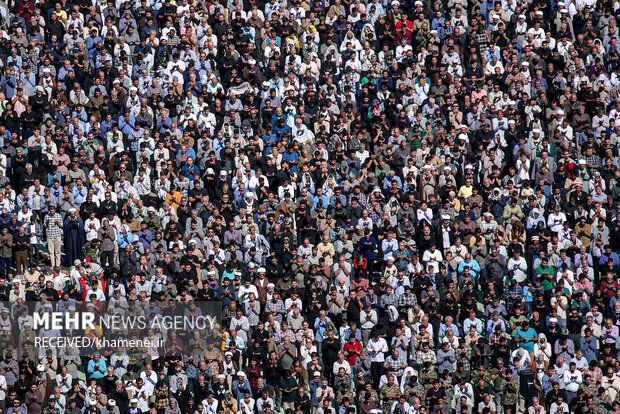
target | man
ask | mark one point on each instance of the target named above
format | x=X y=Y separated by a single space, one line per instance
x=396 y=363
x=21 y=247
x=53 y=230
x=97 y=367
x=559 y=406
x=435 y=396
x=288 y=388
x=572 y=381
x=74 y=237
x=526 y=337
x=390 y=392
x=34 y=399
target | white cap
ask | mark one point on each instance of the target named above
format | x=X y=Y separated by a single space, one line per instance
x=40 y=368
x=240 y=374
x=445 y=217
x=539 y=13
x=261 y=270
x=525 y=63
x=112 y=403
x=92 y=402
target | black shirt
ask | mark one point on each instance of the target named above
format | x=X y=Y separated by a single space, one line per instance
x=21 y=242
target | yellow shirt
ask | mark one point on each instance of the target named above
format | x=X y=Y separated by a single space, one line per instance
x=465 y=192
x=62 y=15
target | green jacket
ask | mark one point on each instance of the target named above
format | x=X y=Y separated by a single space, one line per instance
x=6 y=246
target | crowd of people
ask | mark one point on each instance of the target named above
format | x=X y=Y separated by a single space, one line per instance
x=398 y=207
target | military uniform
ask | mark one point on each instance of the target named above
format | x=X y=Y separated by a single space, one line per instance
x=446 y=384
x=92 y=251
x=484 y=375
x=426 y=379
x=590 y=390
x=389 y=394
x=511 y=391
x=344 y=392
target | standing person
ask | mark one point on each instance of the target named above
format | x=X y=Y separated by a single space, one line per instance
x=377 y=347
x=34 y=400
x=34 y=233
x=21 y=247
x=6 y=252
x=288 y=388
x=53 y=230
x=107 y=235
x=367 y=246
x=74 y=237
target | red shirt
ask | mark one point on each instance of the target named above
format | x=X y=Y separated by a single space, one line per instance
x=355 y=348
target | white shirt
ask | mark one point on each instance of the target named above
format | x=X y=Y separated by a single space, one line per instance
x=432 y=259
x=91 y=233
x=3 y=388
x=149 y=381
x=556 y=409
x=519 y=267
x=289 y=303
x=243 y=290
x=572 y=380
x=210 y=408
x=555 y=222
x=99 y=293
x=344 y=364
x=376 y=348
x=425 y=215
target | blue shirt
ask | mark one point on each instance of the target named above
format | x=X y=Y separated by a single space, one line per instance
x=527 y=335
x=367 y=247
x=97 y=373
